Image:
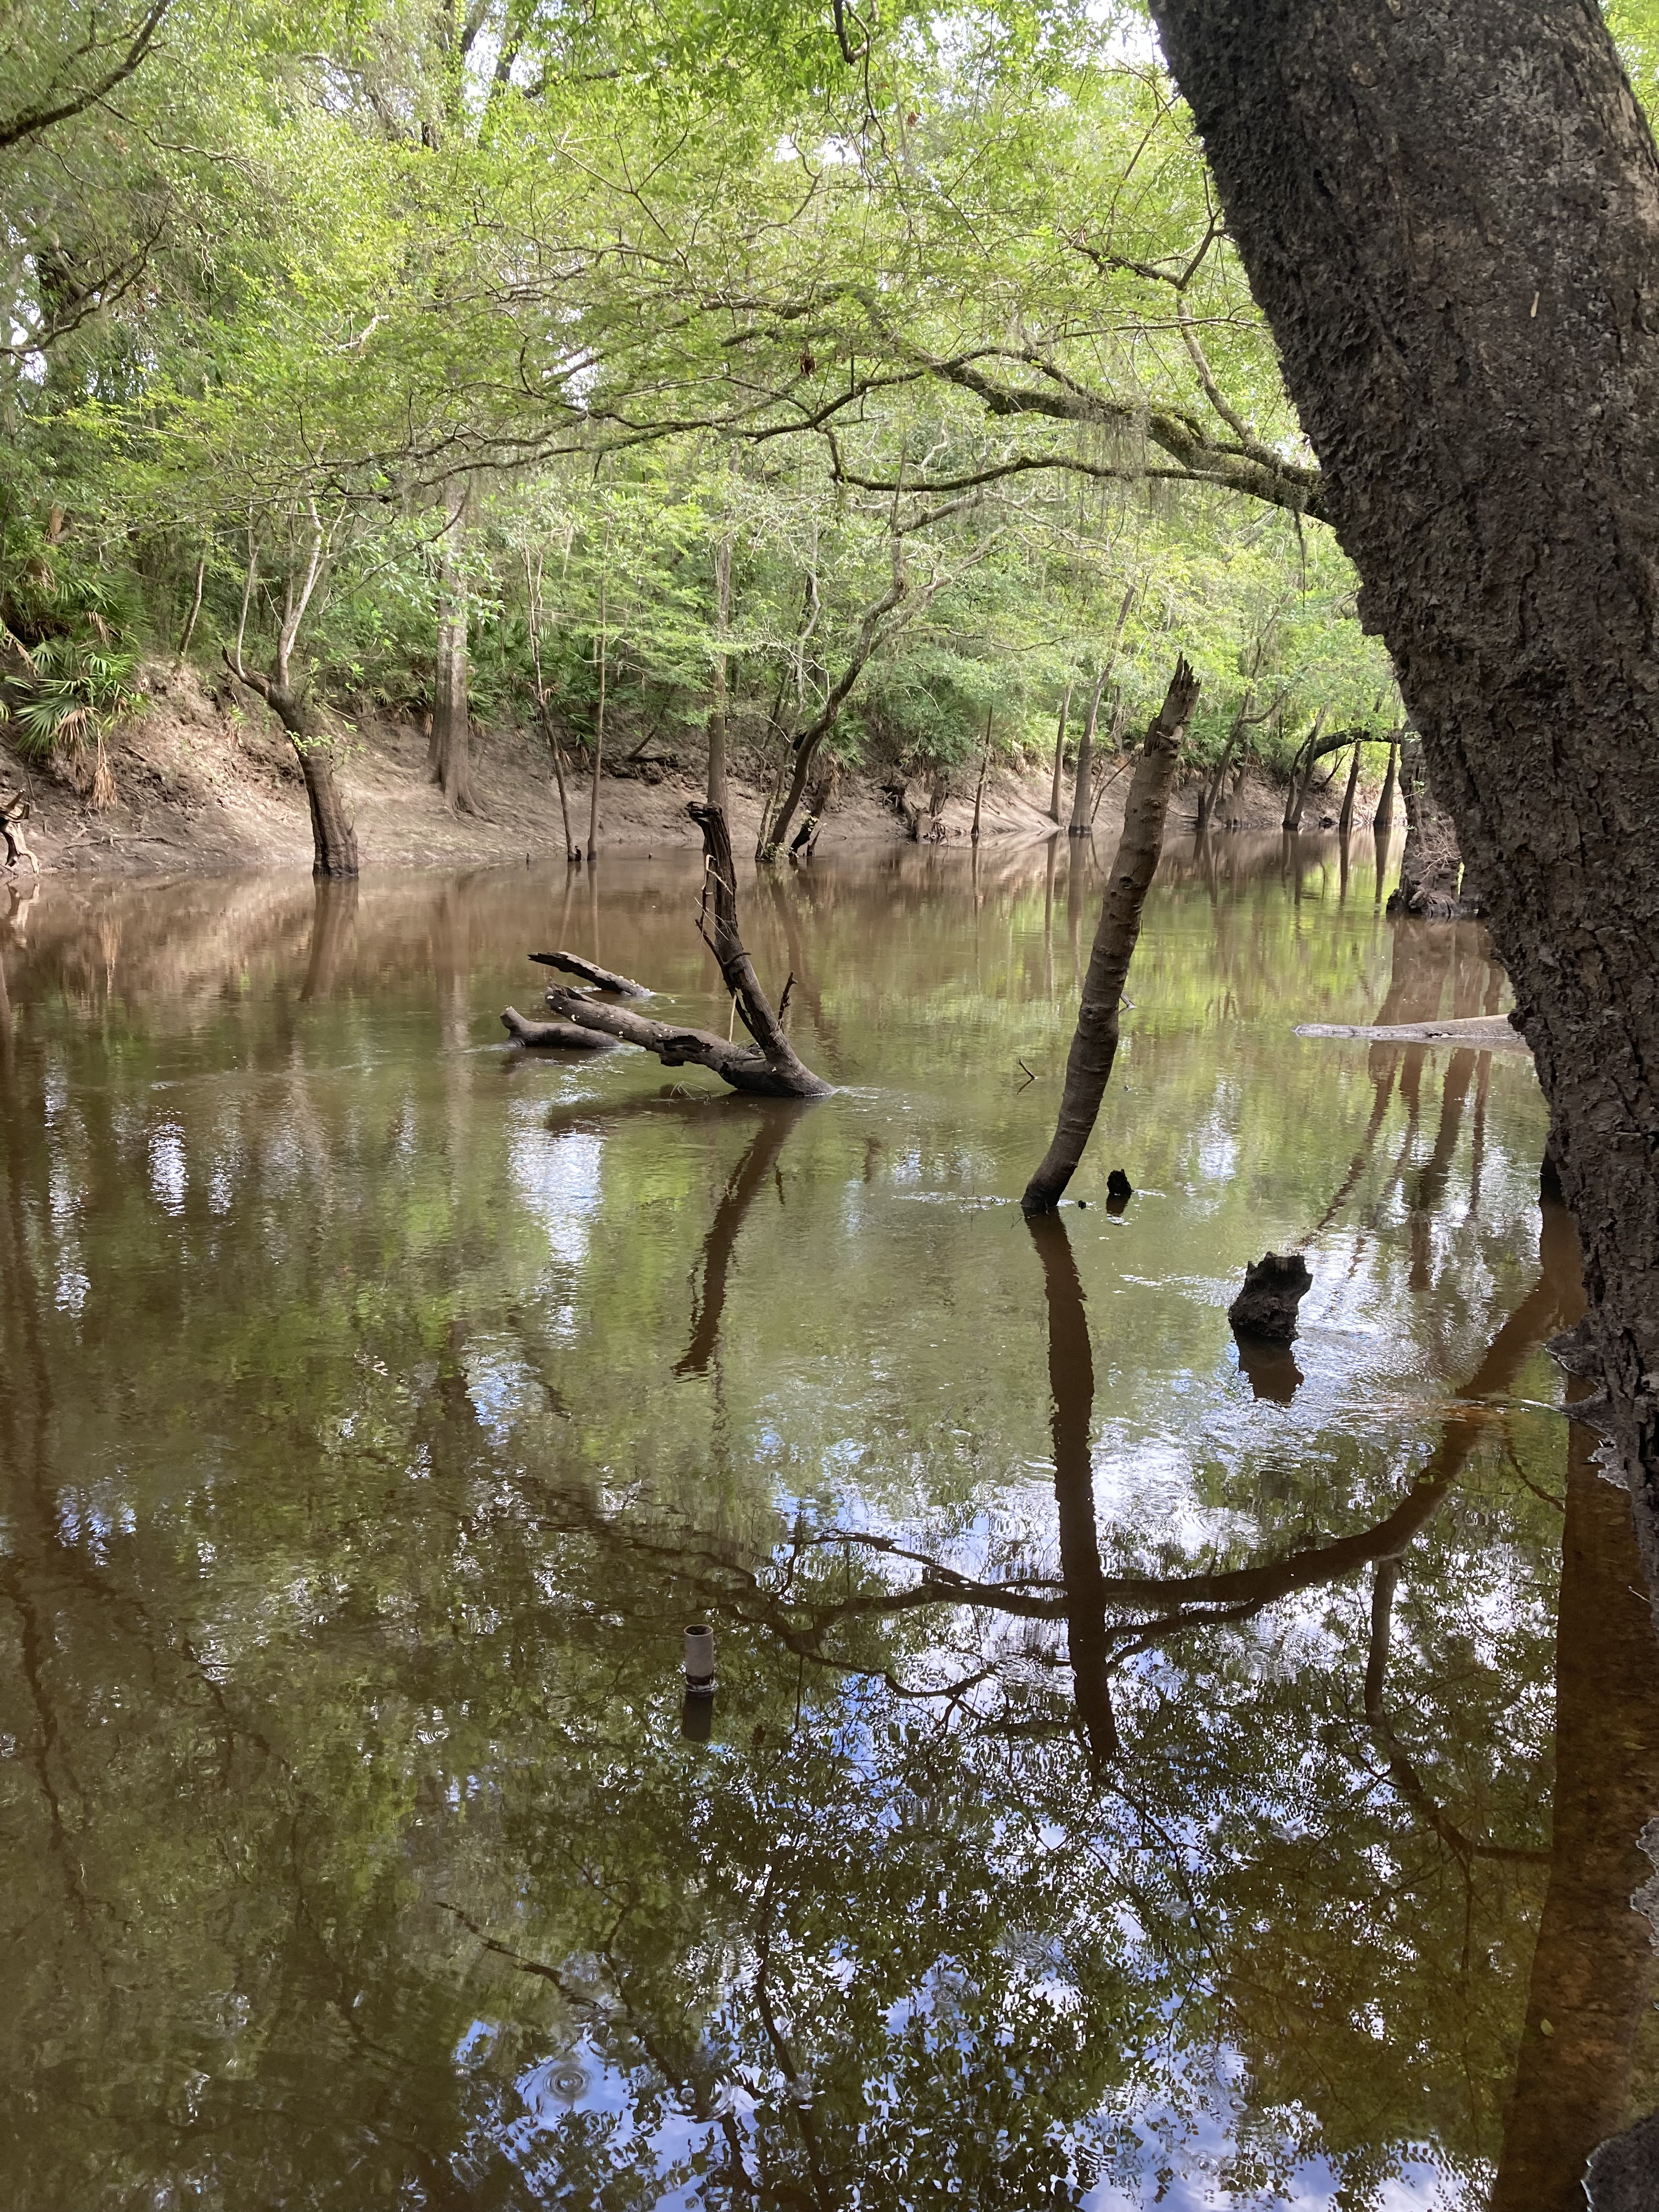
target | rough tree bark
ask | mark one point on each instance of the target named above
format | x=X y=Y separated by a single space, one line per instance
x=449 y=755
x=1089 y=1066
x=1450 y=215
x=1431 y=867
x=768 y=1068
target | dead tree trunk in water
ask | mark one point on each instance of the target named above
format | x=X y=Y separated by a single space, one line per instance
x=769 y=1068
x=1089 y=1068
x=1451 y=219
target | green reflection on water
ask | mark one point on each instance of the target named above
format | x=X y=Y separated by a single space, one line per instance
x=1127 y=1772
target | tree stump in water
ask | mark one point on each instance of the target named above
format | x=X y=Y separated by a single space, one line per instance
x=1274 y=1286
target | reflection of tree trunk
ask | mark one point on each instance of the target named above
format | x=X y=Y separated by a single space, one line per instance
x=1071 y=1391
x=333 y=912
x=708 y=1303
x=1094 y=1048
x=1423 y=1201
x=1592 y=1968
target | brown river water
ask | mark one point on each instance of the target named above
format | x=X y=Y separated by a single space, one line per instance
x=1131 y=1779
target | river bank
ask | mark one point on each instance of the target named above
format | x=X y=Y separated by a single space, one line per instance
x=206 y=785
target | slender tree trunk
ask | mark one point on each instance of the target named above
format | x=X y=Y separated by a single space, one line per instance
x=194 y=607
x=1059 y=755
x=449 y=756
x=1302 y=773
x=598 y=726
x=1451 y=218
x=1085 y=760
x=984 y=770
x=1089 y=1066
x=1344 y=819
x=1382 y=820
x=717 y=702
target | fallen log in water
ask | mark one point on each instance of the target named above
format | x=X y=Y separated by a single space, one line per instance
x=1487 y=1031
x=768 y=1068
x=602 y=979
x=568 y=1036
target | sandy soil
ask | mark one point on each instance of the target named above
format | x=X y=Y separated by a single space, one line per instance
x=207 y=782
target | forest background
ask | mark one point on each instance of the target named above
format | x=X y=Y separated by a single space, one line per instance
x=819 y=386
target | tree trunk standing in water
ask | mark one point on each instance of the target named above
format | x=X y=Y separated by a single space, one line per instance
x=716 y=791
x=1059 y=755
x=1382 y=820
x=984 y=770
x=1431 y=867
x=1089 y=1066
x=1451 y=219
x=1085 y=760
x=1344 y=819
x=1308 y=754
x=449 y=756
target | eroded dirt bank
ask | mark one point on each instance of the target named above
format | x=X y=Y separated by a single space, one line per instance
x=206 y=785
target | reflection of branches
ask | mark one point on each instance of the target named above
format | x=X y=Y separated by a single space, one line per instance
x=708 y=1302
x=1402 y=1770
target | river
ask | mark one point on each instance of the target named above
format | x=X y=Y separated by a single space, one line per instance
x=1131 y=1778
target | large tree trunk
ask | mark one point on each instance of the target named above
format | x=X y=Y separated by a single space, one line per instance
x=1089 y=1066
x=449 y=756
x=1451 y=218
x=333 y=834
x=1431 y=867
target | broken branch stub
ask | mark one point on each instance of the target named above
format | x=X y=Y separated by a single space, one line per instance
x=568 y=1036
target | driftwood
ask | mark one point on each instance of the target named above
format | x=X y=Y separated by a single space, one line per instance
x=768 y=1068
x=568 y=1036
x=602 y=979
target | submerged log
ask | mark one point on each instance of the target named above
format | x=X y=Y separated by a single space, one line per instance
x=569 y=1037
x=602 y=979
x=1274 y=1286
